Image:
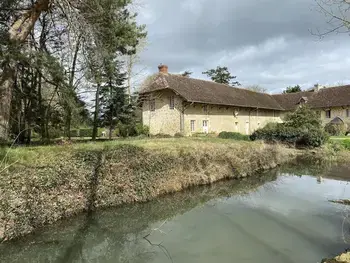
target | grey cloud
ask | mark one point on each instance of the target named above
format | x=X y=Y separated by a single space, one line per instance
x=263 y=42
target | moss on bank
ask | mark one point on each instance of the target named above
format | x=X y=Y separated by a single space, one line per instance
x=45 y=184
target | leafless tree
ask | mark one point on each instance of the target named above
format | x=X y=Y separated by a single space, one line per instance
x=337 y=16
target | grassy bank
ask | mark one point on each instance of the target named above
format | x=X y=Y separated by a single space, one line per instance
x=41 y=185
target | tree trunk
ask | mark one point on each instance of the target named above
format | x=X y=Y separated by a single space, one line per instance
x=18 y=33
x=71 y=86
x=97 y=110
x=129 y=72
x=110 y=132
x=7 y=82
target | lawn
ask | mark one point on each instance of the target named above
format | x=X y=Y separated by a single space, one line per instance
x=24 y=154
x=340 y=138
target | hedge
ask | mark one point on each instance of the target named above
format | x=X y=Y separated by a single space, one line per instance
x=311 y=137
x=74 y=133
x=234 y=136
x=85 y=132
x=334 y=129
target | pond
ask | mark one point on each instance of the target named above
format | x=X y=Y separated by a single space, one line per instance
x=282 y=216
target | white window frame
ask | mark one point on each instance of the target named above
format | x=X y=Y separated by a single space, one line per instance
x=193 y=125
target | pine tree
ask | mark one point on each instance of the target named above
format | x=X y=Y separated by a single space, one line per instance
x=113 y=97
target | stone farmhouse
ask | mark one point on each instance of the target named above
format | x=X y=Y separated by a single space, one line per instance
x=175 y=104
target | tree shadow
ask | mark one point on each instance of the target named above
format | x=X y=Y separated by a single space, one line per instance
x=74 y=251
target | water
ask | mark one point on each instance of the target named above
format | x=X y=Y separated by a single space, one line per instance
x=278 y=218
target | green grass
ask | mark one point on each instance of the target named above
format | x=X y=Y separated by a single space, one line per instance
x=340 y=138
x=28 y=155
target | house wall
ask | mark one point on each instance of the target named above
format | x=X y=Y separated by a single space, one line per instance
x=335 y=112
x=219 y=118
x=163 y=120
x=222 y=118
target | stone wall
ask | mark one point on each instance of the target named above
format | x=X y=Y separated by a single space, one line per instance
x=224 y=118
x=162 y=120
x=219 y=118
x=335 y=112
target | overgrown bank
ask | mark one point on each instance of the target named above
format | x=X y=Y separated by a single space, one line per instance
x=47 y=184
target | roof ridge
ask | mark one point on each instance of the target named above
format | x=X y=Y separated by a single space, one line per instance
x=222 y=84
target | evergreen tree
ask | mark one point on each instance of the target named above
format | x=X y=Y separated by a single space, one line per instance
x=222 y=75
x=293 y=89
x=113 y=97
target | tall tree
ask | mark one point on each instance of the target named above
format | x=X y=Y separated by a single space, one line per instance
x=292 y=89
x=131 y=61
x=222 y=75
x=113 y=98
x=105 y=23
x=337 y=16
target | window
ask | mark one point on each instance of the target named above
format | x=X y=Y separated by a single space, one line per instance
x=328 y=114
x=192 y=126
x=205 y=108
x=247 y=127
x=152 y=104
x=348 y=113
x=205 y=126
x=236 y=126
x=171 y=102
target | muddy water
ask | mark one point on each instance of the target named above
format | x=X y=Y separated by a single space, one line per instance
x=284 y=216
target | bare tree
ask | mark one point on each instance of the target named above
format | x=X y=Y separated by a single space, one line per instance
x=257 y=88
x=131 y=61
x=337 y=15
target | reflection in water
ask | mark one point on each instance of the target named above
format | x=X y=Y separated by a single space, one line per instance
x=269 y=219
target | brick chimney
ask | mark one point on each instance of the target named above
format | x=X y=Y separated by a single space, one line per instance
x=163 y=69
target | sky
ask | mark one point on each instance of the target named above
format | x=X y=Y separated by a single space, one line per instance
x=267 y=42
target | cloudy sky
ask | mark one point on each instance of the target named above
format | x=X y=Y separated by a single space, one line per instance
x=266 y=42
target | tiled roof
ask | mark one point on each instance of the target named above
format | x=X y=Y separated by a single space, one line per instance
x=202 y=91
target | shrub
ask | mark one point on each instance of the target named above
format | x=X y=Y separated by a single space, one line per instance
x=74 y=133
x=85 y=132
x=142 y=129
x=179 y=135
x=278 y=132
x=334 y=129
x=203 y=134
x=234 y=136
x=162 y=135
x=55 y=133
x=312 y=137
x=303 y=117
x=302 y=127
x=346 y=144
x=126 y=130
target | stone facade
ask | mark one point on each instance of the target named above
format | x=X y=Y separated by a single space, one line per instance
x=205 y=118
x=162 y=119
x=341 y=112
x=177 y=104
